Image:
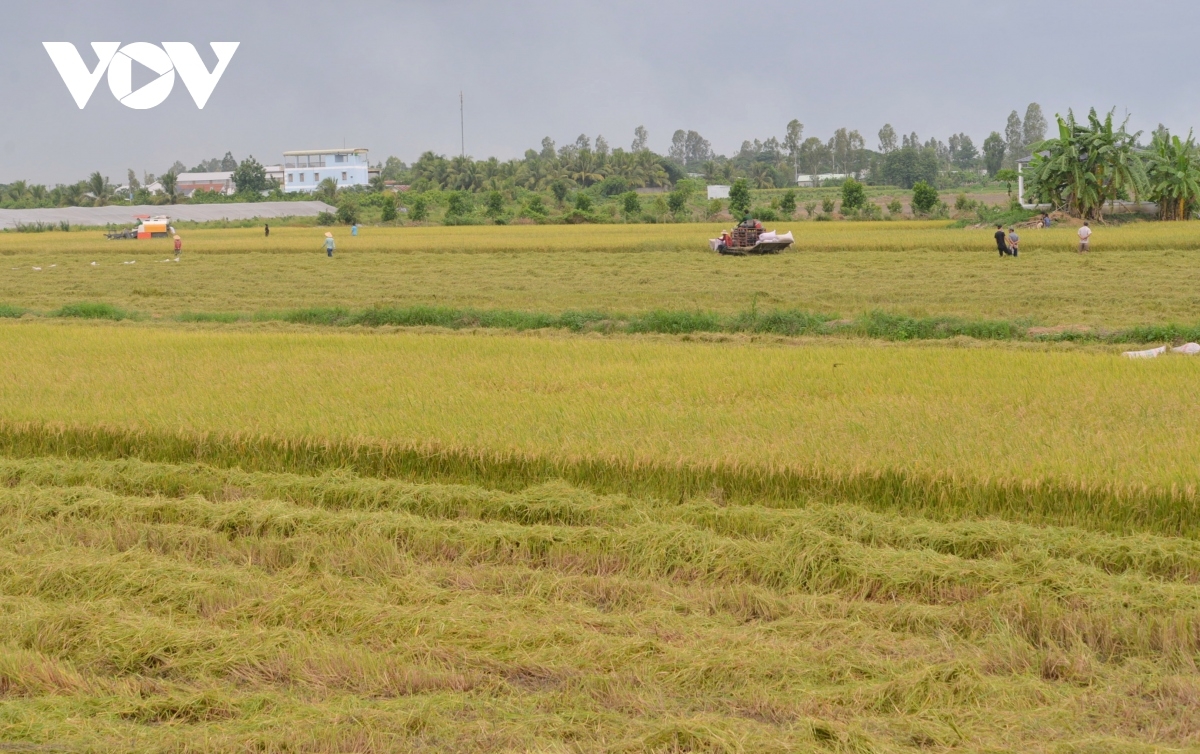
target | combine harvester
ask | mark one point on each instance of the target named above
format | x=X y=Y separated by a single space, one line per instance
x=149 y=227
x=744 y=240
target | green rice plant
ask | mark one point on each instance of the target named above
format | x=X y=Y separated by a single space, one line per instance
x=93 y=310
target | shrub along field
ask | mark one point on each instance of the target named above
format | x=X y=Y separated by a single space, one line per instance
x=1137 y=275
x=662 y=527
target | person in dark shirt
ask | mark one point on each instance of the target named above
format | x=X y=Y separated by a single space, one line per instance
x=267 y=231
x=1001 y=241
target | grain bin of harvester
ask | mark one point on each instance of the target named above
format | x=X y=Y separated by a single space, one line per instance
x=158 y=226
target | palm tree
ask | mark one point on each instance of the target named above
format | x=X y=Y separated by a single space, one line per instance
x=17 y=190
x=100 y=189
x=1173 y=172
x=326 y=191
x=585 y=168
x=762 y=175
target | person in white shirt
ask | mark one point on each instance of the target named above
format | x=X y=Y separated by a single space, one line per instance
x=1085 y=234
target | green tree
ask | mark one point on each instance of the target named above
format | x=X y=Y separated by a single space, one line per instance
x=170 y=184
x=739 y=198
x=347 y=211
x=1173 y=175
x=854 y=196
x=828 y=204
x=787 y=203
x=560 y=191
x=228 y=164
x=582 y=202
x=810 y=208
x=631 y=204
x=377 y=183
x=1014 y=138
x=388 y=208
x=100 y=189
x=393 y=169
x=418 y=208
x=925 y=198
x=895 y=207
x=993 y=153
x=1007 y=176
x=250 y=178
x=326 y=191
x=677 y=201
x=905 y=166
x=1088 y=164
x=1035 y=125
x=495 y=205
x=535 y=206
x=458 y=205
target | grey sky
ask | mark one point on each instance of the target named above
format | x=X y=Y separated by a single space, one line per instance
x=386 y=75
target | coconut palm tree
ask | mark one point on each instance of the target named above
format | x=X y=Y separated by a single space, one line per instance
x=1173 y=172
x=585 y=168
x=761 y=175
x=100 y=189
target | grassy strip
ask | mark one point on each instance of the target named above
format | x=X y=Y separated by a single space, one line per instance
x=86 y=310
x=776 y=322
x=790 y=322
x=1108 y=507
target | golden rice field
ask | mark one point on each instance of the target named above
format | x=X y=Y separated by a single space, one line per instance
x=185 y=608
x=1141 y=274
x=268 y=537
x=979 y=415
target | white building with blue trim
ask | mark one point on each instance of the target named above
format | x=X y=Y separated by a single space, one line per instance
x=304 y=170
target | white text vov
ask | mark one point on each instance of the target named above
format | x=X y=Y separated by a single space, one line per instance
x=118 y=61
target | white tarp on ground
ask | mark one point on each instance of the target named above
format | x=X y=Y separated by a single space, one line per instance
x=124 y=216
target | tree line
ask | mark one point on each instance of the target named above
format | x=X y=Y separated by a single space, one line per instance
x=1166 y=169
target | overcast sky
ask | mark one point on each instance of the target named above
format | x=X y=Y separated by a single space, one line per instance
x=386 y=75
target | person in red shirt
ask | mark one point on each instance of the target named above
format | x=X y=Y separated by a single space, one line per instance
x=178 y=247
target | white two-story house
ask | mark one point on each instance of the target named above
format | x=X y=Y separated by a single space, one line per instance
x=305 y=169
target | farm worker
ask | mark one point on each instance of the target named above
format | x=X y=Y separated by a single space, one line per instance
x=178 y=247
x=1085 y=235
x=1013 y=241
x=329 y=245
x=747 y=220
x=354 y=229
x=1045 y=219
x=267 y=230
x=1001 y=241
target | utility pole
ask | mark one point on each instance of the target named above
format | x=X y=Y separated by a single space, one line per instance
x=462 y=128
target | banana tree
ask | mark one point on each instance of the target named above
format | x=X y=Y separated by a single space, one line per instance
x=1173 y=171
x=1088 y=165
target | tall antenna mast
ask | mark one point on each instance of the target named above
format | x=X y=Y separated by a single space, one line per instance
x=462 y=124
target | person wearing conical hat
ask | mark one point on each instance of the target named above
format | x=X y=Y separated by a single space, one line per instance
x=329 y=245
x=178 y=247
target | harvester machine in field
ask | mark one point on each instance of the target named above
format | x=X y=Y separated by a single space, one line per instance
x=742 y=241
x=148 y=227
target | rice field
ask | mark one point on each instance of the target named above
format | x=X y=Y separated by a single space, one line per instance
x=185 y=608
x=227 y=531
x=841 y=410
x=1138 y=275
